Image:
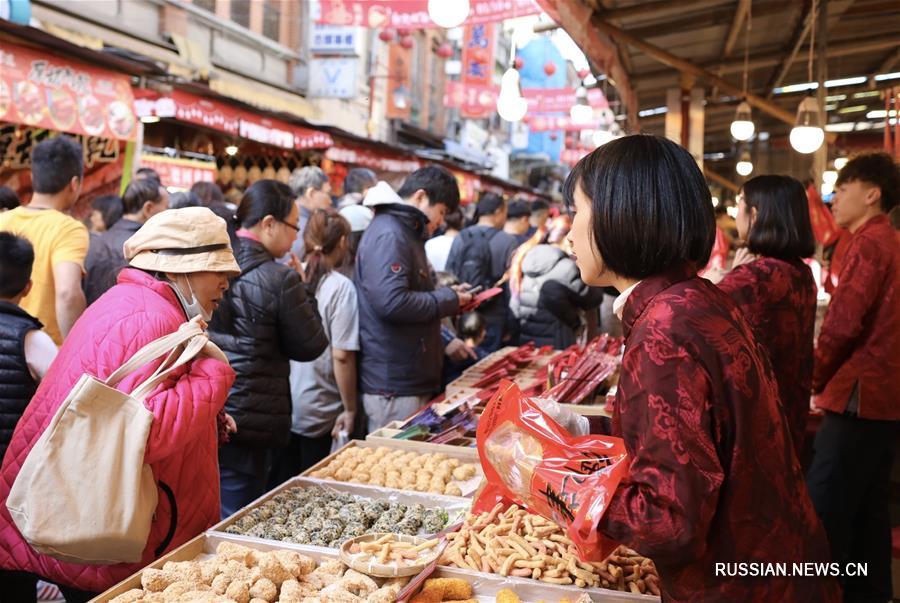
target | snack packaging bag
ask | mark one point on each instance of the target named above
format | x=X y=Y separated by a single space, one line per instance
x=530 y=460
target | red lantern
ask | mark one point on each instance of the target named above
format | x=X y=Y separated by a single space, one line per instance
x=549 y=68
x=403 y=31
x=584 y=73
x=554 y=136
x=520 y=62
x=526 y=119
x=445 y=51
x=480 y=56
x=407 y=42
x=386 y=35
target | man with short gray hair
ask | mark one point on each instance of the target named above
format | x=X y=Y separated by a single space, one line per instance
x=313 y=191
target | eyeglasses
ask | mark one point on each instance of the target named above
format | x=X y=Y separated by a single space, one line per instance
x=294 y=226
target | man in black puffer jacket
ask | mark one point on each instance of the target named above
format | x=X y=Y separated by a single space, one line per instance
x=265 y=319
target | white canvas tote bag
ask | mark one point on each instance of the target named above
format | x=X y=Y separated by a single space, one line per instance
x=84 y=494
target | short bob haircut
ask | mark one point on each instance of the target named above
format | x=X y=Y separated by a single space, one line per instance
x=782 y=228
x=651 y=210
x=877 y=169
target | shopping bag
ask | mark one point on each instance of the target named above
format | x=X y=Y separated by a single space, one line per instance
x=84 y=493
x=530 y=460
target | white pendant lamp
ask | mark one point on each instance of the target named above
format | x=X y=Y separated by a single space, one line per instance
x=510 y=104
x=807 y=135
x=744 y=167
x=581 y=112
x=448 y=13
x=742 y=128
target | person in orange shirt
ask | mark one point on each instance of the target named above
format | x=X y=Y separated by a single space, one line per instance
x=60 y=241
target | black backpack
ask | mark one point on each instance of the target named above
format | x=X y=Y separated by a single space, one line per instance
x=471 y=259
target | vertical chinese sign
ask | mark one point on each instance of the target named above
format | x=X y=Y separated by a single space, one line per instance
x=479 y=42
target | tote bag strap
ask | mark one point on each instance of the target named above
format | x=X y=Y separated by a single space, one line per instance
x=194 y=347
x=153 y=350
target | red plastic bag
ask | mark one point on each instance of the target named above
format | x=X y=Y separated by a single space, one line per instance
x=528 y=459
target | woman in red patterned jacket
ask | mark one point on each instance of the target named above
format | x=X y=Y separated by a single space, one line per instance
x=775 y=290
x=715 y=492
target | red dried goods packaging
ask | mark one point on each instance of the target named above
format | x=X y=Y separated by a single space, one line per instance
x=530 y=460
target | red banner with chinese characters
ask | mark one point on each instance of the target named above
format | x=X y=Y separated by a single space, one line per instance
x=378 y=14
x=45 y=91
x=479 y=41
x=480 y=100
x=216 y=115
x=370 y=159
x=180 y=173
x=572 y=156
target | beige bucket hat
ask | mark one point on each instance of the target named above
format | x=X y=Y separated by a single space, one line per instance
x=191 y=239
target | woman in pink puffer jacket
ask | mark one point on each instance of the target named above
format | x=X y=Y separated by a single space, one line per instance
x=180 y=262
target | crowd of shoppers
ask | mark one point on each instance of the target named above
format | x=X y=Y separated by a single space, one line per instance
x=331 y=317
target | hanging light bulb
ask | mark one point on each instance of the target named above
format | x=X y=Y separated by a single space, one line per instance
x=601 y=137
x=742 y=128
x=581 y=112
x=829 y=177
x=448 y=14
x=510 y=104
x=807 y=135
x=840 y=162
x=744 y=167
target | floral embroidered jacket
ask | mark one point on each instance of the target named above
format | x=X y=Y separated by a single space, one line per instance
x=860 y=337
x=714 y=479
x=778 y=299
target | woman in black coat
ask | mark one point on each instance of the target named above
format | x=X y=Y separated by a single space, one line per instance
x=266 y=319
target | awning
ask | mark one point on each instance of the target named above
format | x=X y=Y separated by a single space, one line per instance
x=228 y=118
x=260 y=95
x=45 y=91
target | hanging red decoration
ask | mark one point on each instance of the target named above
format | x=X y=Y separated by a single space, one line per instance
x=481 y=56
x=403 y=31
x=554 y=136
x=386 y=35
x=520 y=62
x=526 y=119
x=583 y=73
x=445 y=50
x=407 y=42
x=549 y=68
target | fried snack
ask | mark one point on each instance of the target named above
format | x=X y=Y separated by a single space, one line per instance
x=450 y=589
x=154 y=580
x=174 y=591
x=517 y=543
x=396 y=469
x=265 y=589
x=357 y=583
x=129 y=596
x=228 y=550
x=337 y=594
x=508 y=596
x=291 y=592
x=239 y=590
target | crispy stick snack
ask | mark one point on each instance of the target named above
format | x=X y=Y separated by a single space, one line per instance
x=517 y=543
x=530 y=460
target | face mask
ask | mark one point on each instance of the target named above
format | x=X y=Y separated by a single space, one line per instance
x=192 y=308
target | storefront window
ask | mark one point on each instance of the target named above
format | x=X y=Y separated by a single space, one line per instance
x=240 y=12
x=272 y=19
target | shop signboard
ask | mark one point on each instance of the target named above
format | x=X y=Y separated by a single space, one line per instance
x=333 y=77
x=177 y=172
x=224 y=117
x=375 y=161
x=378 y=14
x=17 y=142
x=479 y=42
x=476 y=100
x=45 y=91
x=399 y=105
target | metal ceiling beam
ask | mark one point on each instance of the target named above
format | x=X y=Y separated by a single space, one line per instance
x=684 y=66
x=772 y=59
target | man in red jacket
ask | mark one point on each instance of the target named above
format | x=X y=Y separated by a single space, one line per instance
x=857 y=379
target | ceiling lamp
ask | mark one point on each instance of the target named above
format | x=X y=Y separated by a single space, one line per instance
x=744 y=167
x=840 y=162
x=742 y=128
x=807 y=135
x=511 y=106
x=231 y=150
x=581 y=112
x=829 y=177
x=446 y=13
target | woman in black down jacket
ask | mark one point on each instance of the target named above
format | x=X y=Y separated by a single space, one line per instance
x=266 y=319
